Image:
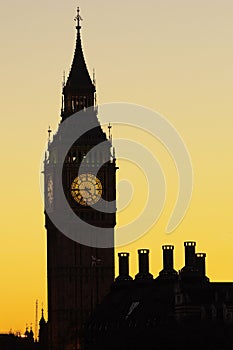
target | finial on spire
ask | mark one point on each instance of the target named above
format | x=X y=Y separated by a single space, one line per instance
x=78 y=18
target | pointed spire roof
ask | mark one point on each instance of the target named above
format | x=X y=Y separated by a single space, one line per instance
x=42 y=320
x=79 y=78
x=26 y=332
x=31 y=333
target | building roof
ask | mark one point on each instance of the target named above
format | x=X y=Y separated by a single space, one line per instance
x=180 y=311
x=79 y=78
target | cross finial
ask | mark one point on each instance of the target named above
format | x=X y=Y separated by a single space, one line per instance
x=78 y=18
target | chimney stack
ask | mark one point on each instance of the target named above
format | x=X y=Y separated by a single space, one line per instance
x=143 y=261
x=168 y=257
x=190 y=256
x=123 y=264
x=200 y=261
x=168 y=272
x=189 y=272
x=123 y=268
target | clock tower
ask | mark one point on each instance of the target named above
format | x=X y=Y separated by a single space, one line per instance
x=80 y=266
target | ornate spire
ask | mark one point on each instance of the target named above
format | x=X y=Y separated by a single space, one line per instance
x=42 y=320
x=79 y=90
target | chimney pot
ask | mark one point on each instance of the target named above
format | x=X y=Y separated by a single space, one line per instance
x=123 y=276
x=123 y=264
x=168 y=257
x=190 y=256
x=200 y=261
x=143 y=259
x=143 y=256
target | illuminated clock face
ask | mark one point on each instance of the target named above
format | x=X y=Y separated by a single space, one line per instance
x=86 y=189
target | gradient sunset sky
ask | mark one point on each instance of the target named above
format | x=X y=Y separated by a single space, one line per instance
x=175 y=57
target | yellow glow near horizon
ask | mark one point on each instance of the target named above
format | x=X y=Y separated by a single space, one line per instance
x=174 y=57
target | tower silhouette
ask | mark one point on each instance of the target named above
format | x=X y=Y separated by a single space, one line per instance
x=78 y=275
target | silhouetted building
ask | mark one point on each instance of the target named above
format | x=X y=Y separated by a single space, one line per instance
x=79 y=276
x=176 y=310
x=179 y=310
x=18 y=342
x=43 y=333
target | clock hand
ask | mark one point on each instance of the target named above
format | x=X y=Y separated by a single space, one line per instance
x=88 y=190
x=80 y=189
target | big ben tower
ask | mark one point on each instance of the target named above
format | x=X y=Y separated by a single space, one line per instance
x=80 y=267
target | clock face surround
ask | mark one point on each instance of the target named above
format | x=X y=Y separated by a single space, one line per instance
x=50 y=190
x=86 y=189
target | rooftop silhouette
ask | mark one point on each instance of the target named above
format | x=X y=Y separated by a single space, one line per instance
x=176 y=309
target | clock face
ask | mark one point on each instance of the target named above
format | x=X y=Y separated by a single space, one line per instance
x=86 y=189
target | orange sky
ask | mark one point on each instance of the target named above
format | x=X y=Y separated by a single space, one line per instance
x=174 y=57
